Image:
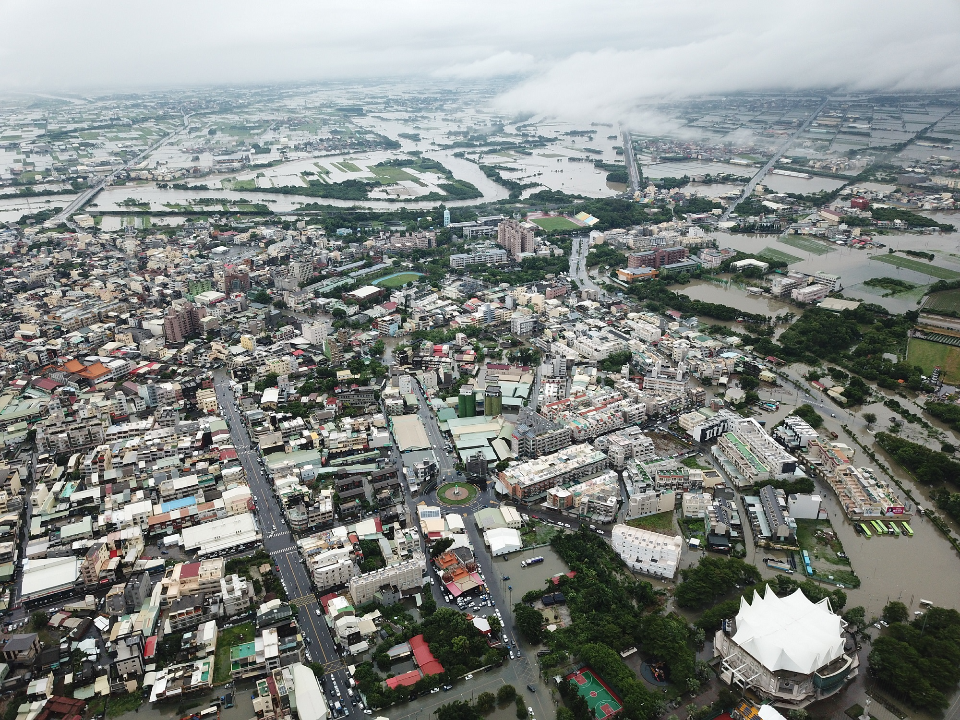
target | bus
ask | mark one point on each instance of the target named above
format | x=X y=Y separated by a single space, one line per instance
x=908 y=531
x=893 y=527
x=865 y=530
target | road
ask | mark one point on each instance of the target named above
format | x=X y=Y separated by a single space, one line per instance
x=278 y=541
x=578 y=264
x=630 y=160
x=778 y=153
x=87 y=195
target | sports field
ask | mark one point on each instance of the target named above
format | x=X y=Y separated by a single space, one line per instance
x=599 y=697
x=927 y=268
x=801 y=243
x=555 y=223
x=929 y=355
x=946 y=301
x=774 y=254
x=397 y=279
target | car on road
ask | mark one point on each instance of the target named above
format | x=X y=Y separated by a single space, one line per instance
x=531 y=688
x=468 y=677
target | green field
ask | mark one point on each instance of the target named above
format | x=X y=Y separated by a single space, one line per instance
x=801 y=243
x=389 y=175
x=929 y=355
x=774 y=254
x=349 y=166
x=661 y=523
x=918 y=266
x=555 y=223
x=394 y=281
x=946 y=301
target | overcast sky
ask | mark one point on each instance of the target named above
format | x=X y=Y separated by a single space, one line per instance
x=595 y=55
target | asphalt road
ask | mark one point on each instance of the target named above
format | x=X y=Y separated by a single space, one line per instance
x=578 y=264
x=279 y=542
x=630 y=160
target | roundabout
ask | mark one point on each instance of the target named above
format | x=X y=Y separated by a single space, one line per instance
x=456 y=493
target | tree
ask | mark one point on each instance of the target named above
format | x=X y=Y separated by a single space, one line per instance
x=856 y=616
x=262 y=297
x=429 y=606
x=529 y=623
x=440 y=546
x=895 y=612
x=506 y=693
x=521 y=709
x=948 y=448
x=869 y=418
x=495 y=626
x=485 y=702
x=564 y=713
x=38 y=621
x=383 y=661
x=457 y=710
x=748 y=382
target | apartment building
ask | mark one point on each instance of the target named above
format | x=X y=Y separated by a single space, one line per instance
x=530 y=480
x=516 y=238
x=625 y=445
x=480 y=256
x=647 y=552
x=391 y=582
x=534 y=435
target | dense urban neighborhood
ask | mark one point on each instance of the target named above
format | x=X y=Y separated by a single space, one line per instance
x=320 y=404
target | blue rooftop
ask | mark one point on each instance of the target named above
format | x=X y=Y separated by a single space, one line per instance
x=178 y=504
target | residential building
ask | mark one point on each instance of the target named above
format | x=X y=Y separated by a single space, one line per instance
x=530 y=480
x=516 y=238
x=647 y=552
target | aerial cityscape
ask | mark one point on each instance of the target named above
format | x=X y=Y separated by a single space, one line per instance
x=332 y=389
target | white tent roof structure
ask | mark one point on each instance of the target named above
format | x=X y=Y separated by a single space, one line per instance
x=789 y=633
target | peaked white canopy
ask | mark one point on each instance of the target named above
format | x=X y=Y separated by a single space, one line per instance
x=789 y=633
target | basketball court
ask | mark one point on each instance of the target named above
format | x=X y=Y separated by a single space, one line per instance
x=600 y=699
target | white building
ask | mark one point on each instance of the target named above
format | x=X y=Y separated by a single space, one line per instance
x=333 y=567
x=502 y=541
x=404 y=576
x=646 y=551
x=695 y=505
x=804 y=507
x=788 y=651
x=229 y=533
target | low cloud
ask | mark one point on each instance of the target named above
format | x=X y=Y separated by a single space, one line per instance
x=601 y=57
x=500 y=65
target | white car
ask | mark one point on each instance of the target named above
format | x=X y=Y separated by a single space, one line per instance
x=468 y=677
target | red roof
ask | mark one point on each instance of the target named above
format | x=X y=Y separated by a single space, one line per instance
x=190 y=570
x=427 y=663
x=150 y=647
x=326 y=599
x=406 y=680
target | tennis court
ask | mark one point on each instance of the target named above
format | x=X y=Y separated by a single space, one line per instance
x=600 y=699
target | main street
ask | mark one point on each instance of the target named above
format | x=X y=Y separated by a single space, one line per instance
x=277 y=539
x=578 y=264
x=630 y=160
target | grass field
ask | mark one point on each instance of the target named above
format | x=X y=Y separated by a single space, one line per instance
x=555 y=223
x=393 y=281
x=390 y=175
x=661 y=523
x=946 y=301
x=918 y=266
x=929 y=355
x=802 y=243
x=775 y=254
x=349 y=166
x=227 y=638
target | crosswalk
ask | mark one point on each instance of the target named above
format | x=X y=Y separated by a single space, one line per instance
x=303 y=600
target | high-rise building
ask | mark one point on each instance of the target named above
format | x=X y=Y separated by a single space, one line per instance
x=516 y=238
x=181 y=322
x=446 y=218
